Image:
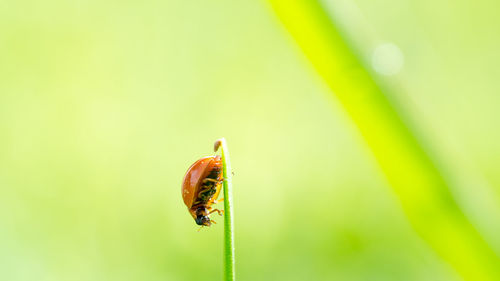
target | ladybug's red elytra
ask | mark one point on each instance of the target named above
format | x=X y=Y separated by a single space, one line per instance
x=201 y=187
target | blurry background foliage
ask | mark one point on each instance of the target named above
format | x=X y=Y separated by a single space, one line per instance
x=105 y=104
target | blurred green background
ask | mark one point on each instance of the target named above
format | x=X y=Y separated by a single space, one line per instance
x=105 y=104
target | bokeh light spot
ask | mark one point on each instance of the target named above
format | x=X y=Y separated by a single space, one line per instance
x=387 y=59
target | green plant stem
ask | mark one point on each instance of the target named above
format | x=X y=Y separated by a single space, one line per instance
x=229 y=264
x=410 y=169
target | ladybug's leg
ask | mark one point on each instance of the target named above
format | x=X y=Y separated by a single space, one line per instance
x=218 y=201
x=210 y=180
x=215 y=181
x=220 y=212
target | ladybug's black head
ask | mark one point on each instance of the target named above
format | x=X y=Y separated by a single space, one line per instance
x=203 y=220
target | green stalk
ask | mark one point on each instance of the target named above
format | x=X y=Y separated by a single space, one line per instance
x=228 y=211
x=414 y=175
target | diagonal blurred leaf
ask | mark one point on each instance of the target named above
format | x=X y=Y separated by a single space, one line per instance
x=416 y=178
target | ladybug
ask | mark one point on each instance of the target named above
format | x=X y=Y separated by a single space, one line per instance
x=201 y=187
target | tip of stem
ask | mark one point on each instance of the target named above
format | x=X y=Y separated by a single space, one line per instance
x=217 y=144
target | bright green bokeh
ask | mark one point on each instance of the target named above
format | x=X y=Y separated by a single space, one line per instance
x=105 y=104
x=420 y=182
